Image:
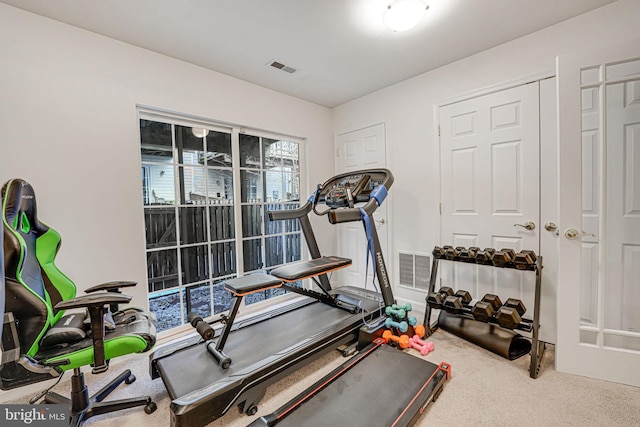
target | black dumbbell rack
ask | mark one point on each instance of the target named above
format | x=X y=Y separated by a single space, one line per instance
x=537 y=347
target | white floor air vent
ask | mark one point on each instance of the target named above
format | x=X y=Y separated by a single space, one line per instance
x=415 y=270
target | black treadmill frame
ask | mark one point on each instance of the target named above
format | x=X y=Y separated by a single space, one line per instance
x=413 y=408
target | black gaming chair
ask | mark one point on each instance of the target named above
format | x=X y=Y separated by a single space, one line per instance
x=40 y=339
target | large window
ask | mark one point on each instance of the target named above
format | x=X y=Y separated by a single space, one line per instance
x=206 y=191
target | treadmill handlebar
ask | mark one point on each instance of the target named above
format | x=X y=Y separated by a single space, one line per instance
x=290 y=213
x=337 y=216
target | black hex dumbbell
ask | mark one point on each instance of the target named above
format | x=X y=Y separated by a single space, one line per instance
x=503 y=257
x=484 y=309
x=525 y=260
x=438 y=252
x=509 y=316
x=468 y=255
x=451 y=253
x=436 y=299
x=456 y=303
x=464 y=296
x=484 y=256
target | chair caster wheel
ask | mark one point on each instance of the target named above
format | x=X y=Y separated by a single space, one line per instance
x=150 y=408
x=252 y=410
x=131 y=379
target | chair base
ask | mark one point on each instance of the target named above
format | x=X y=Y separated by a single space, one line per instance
x=83 y=407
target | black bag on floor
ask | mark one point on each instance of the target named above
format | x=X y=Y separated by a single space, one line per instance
x=503 y=342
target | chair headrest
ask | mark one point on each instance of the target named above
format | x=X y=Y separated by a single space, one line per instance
x=22 y=229
x=19 y=205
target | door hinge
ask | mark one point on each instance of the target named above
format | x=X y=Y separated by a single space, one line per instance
x=440 y=208
x=439 y=130
x=338 y=152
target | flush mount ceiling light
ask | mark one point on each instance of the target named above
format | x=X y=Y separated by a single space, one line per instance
x=403 y=15
x=199 y=132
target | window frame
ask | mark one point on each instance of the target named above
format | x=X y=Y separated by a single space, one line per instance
x=176 y=119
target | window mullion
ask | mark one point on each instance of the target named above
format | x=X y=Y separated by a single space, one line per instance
x=263 y=201
x=237 y=199
x=207 y=222
x=176 y=206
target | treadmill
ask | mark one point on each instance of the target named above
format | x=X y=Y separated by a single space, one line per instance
x=380 y=386
x=266 y=348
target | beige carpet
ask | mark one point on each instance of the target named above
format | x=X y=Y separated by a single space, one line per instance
x=485 y=390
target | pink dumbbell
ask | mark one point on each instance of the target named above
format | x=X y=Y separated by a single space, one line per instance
x=424 y=347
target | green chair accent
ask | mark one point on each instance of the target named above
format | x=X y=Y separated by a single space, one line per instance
x=47 y=329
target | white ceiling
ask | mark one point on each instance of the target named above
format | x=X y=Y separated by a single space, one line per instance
x=339 y=48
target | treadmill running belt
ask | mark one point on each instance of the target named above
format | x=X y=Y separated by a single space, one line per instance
x=194 y=368
x=387 y=387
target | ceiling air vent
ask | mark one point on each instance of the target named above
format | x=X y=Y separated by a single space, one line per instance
x=283 y=67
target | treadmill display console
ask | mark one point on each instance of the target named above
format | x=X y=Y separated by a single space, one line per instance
x=349 y=190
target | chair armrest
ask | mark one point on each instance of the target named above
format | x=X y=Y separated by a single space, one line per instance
x=111 y=286
x=95 y=305
x=94 y=300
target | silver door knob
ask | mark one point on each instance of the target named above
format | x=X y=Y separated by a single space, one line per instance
x=572 y=234
x=381 y=220
x=527 y=225
x=550 y=226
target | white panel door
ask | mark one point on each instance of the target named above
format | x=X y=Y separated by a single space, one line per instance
x=361 y=149
x=489 y=157
x=599 y=264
